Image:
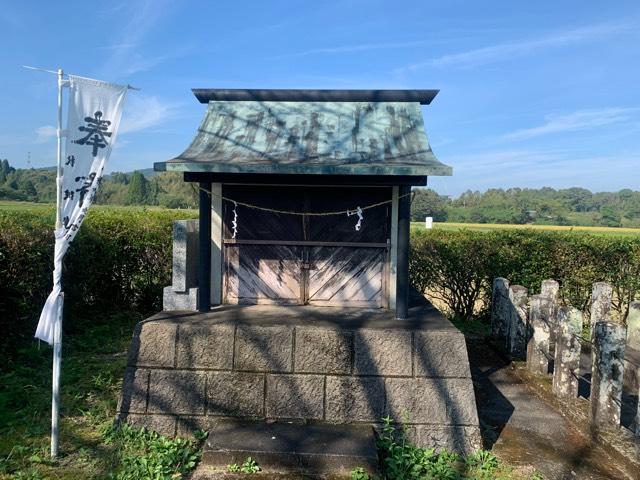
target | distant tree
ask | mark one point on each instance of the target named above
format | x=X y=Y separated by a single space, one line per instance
x=428 y=203
x=609 y=217
x=138 y=192
x=26 y=186
x=5 y=170
x=120 y=178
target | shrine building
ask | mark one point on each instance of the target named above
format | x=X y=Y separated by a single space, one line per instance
x=290 y=325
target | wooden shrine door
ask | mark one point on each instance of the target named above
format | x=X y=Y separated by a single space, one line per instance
x=281 y=258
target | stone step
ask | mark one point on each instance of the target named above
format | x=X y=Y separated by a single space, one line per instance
x=286 y=447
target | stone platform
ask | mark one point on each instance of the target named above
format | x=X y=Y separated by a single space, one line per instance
x=305 y=365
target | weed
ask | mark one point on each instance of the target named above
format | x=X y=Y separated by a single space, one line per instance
x=402 y=460
x=359 y=473
x=145 y=454
x=248 y=466
x=483 y=464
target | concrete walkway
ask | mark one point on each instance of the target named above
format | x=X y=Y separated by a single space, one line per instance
x=524 y=431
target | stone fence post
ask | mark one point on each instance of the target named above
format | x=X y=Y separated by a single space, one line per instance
x=633 y=326
x=541 y=314
x=607 y=374
x=567 y=352
x=632 y=363
x=518 y=313
x=500 y=308
x=601 y=299
x=550 y=288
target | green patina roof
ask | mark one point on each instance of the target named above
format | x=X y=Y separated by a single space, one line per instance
x=342 y=138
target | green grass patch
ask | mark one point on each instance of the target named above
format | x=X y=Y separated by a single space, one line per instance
x=93 y=363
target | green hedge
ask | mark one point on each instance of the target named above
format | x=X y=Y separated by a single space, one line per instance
x=457 y=267
x=120 y=260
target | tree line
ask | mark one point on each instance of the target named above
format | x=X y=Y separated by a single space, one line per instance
x=570 y=206
x=543 y=206
x=164 y=189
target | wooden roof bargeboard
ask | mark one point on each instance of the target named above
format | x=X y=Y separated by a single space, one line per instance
x=310 y=137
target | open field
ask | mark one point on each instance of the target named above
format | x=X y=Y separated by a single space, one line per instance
x=485 y=227
x=481 y=227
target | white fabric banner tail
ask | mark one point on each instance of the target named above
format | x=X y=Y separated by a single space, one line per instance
x=95 y=109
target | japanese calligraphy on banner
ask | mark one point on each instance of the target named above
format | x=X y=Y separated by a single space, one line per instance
x=95 y=109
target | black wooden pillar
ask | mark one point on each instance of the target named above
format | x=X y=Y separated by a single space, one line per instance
x=404 y=224
x=204 y=267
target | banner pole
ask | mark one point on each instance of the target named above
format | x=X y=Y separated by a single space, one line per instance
x=57 y=328
x=55 y=390
x=59 y=153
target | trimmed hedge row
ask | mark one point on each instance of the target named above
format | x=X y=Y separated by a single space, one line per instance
x=120 y=260
x=458 y=267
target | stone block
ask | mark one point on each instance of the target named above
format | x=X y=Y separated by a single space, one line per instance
x=295 y=396
x=263 y=349
x=162 y=424
x=382 y=352
x=354 y=399
x=440 y=354
x=236 y=394
x=457 y=438
x=205 y=346
x=176 y=391
x=179 y=300
x=134 y=391
x=185 y=255
x=431 y=400
x=153 y=345
x=322 y=350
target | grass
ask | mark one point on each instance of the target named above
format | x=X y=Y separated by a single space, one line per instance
x=93 y=363
x=485 y=227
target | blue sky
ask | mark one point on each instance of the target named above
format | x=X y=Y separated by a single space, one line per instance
x=532 y=94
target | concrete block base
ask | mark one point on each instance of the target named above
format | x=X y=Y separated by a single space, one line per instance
x=306 y=365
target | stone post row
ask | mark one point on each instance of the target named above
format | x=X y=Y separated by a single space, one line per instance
x=607 y=374
x=567 y=353
x=541 y=313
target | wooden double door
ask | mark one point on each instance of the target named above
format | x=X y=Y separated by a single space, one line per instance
x=272 y=257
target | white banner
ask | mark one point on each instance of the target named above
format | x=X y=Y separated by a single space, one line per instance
x=95 y=109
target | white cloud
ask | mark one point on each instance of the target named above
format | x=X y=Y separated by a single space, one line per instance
x=578 y=120
x=126 y=57
x=144 y=112
x=351 y=49
x=45 y=133
x=511 y=50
